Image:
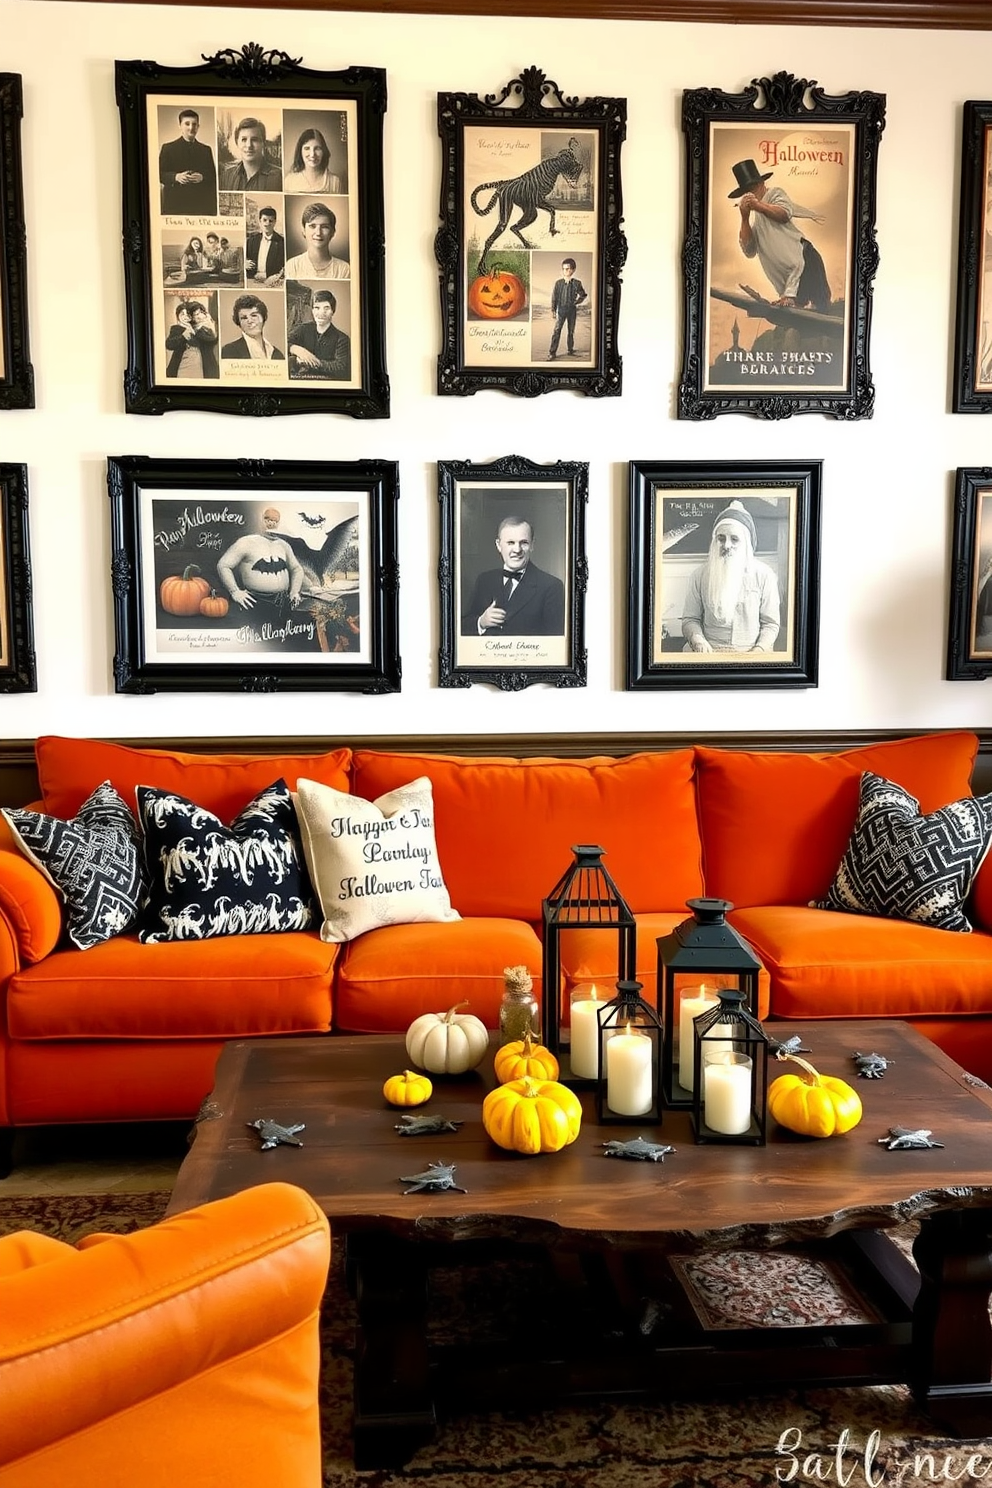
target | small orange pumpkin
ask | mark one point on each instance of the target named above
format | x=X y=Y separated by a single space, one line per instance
x=181 y=593
x=497 y=296
x=215 y=605
x=525 y=1057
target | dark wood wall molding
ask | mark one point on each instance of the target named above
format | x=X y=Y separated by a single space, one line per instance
x=945 y=15
x=19 y=778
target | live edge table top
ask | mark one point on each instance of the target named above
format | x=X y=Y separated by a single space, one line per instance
x=353 y=1158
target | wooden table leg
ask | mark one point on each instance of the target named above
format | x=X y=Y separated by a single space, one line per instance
x=393 y=1408
x=952 y=1332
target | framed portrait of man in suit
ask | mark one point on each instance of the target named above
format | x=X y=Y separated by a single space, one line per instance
x=16 y=374
x=253 y=236
x=512 y=573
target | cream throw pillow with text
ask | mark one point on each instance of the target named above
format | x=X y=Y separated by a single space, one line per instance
x=372 y=862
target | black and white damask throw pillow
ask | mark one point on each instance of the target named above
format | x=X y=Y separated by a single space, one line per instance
x=207 y=879
x=94 y=861
x=905 y=866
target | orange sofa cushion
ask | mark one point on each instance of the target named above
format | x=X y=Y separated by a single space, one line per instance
x=775 y=825
x=824 y=964
x=390 y=977
x=640 y=808
x=69 y=769
x=235 y=987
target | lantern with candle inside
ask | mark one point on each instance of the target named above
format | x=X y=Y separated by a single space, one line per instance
x=730 y=1073
x=630 y=1041
x=584 y=898
x=698 y=958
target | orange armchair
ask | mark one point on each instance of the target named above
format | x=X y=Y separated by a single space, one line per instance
x=186 y=1353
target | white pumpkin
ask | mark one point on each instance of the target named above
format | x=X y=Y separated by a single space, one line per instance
x=447 y=1043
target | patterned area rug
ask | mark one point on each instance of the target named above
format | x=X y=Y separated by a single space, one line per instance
x=869 y=1438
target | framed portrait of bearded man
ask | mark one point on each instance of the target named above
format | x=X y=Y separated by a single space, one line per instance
x=779 y=253
x=723 y=579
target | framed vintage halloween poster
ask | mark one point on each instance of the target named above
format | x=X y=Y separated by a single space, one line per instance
x=779 y=252
x=530 y=248
x=724 y=574
x=253 y=236
x=17 y=658
x=16 y=373
x=254 y=575
x=973 y=340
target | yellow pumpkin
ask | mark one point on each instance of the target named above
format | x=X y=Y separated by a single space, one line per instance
x=812 y=1104
x=497 y=296
x=408 y=1089
x=524 y=1057
x=532 y=1116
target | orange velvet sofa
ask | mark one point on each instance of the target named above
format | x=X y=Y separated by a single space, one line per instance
x=125 y=1031
x=185 y=1353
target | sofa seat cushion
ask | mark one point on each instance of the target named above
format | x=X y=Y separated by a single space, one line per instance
x=640 y=808
x=775 y=824
x=390 y=976
x=825 y=964
x=233 y=987
x=68 y=769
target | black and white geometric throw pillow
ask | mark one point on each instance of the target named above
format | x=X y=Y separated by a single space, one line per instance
x=94 y=861
x=910 y=867
x=207 y=879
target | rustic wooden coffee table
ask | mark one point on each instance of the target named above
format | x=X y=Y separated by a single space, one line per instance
x=617 y=1221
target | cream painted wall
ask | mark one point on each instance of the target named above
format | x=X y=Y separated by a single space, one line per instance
x=887 y=481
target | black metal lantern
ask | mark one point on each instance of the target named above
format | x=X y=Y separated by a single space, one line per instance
x=730 y=1067
x=695 y=960
x=584 y=898
x=630 y=1043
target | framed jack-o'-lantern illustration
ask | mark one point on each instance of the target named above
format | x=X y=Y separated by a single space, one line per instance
x=530 y=248
x=254 y=236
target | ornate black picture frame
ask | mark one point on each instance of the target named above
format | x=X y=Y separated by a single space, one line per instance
x=693 y=623
x=254 y=575
x=17 y=658
x=778 y=277
x=16 y=372
x=512 y=573
x=254 y=239
x=972 y=391
x=530 y=246
x=969 y=631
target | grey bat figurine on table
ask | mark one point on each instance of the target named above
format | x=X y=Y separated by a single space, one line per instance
x=871 y=1066
x=272 y=1133
x=436 y=1178
x=638 y=1149
x=425 y=1126
x=901 y=1138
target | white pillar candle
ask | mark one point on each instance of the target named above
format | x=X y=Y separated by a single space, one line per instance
x=585 y=1035
x=690 y=1008
x=727 y=1095
x=629 y=1085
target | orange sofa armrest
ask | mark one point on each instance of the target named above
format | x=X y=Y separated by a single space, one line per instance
x=29 y=903
x=125 y=1318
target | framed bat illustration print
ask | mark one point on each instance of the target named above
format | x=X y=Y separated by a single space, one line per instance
x=253 y=236
x=16 y=374
x=973 y=341
x=530 y=248
x=254 y=575
x=779 y=253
